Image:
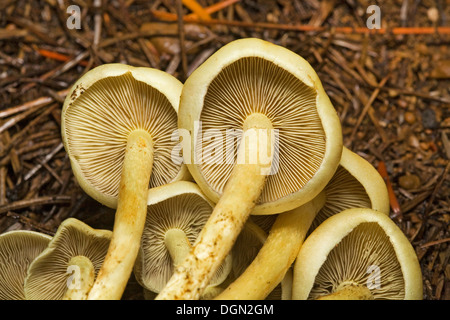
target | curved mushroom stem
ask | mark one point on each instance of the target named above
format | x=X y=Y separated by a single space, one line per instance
x=349 y=291
x=286 y=285
x=129 y=219
x=269 y=267
x=82 y=280
x=241 y=193
x=177 y=244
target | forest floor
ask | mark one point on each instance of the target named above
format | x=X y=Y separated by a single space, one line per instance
x=391 y=89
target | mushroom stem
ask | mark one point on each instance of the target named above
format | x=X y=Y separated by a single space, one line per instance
x=266 y=272
x=349 y=292
x=129 y=219
x=241 y=193
x=82 y=280
x=177 y=244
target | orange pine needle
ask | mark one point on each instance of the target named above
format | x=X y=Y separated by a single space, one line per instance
x=295 y=27
x=58 y=56
x=195 y=7
x=167 y=16
x=392 y=198
x=219 y=6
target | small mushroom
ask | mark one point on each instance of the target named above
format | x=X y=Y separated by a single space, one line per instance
x=176 y=214
x=118 y=124
x=290 y=145
x=18 y=249
x=359 y=253
x=67 y=262
x=356 y=183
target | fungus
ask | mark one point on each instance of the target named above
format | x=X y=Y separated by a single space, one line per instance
x=117 y=127
x=290 y=143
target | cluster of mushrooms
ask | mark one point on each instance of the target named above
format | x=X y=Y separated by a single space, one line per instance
x=233 y=185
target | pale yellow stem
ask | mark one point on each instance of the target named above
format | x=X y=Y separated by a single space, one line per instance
x=82 y=279
x=349 y=292
x=286 y=285
x=269 y=267
x=217 y=237
x=177 y=244
x=129 y=219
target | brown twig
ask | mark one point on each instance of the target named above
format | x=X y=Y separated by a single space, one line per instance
x=30 y=222
x=44 y=200
x=367 y=107
x=44 y=161
x=181 y=37
x=444 y=176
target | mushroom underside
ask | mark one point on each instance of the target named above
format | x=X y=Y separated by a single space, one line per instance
x=100 y=120
x=365 y=258
x=188 y=213
x=48 y=275
x=253 y=85
x=343 y=191
x=18 y=250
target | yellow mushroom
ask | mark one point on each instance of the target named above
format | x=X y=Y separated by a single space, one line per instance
x=118 y=124
x=290 y=143
x=18 y=249
x=356 y=183
x=357 y=254
x=175 y=216
x=67 y=267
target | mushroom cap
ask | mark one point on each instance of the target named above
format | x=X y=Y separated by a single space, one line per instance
x=349 y=247
x=102 y=108
x=18 y=249
x=48 y=273
x=178 y=205
x=355 y=184
x=254 y=76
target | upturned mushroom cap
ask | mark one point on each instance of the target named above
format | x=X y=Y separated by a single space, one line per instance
x=18 y=249
x=251 y=76
x=119 y=127
x=361 y=251
x=178 y=207
x=103 y=108
x=355 y=184
x=290 y=143
x=48 y=274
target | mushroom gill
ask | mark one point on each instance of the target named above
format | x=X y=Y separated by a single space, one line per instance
x=187 y=212
x=99 y=141
x=365 y=258
x=48 y=274
x=256 y=85
x=343 y=191
x=18 y=249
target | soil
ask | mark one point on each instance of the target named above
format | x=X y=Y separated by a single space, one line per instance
x=390 y=87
